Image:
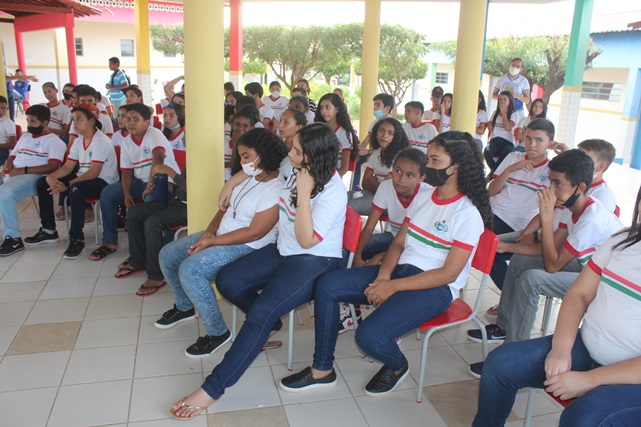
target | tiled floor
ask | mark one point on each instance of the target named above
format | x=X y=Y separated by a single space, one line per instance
x=78 y=348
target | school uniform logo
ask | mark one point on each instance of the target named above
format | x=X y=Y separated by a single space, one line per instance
x=90 y=154
x=543 y=177
x=37 y=145
x=54 y=113
x=441 y=227
x=146 y=150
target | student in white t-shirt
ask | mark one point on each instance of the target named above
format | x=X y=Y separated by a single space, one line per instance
x=174 y=125
x=333 y=112
x=291 y=122
x=144 y=148
x=418 y=132
x=270 y=281
x=538 y=110
x=37 y=153
x=299 y=91
x=87 y=95
x=277 y=102
x=501 y=129
x=60 y=122
x=421 y=274
x=248 y=224
x=119 y=136
x=387 y=139
x=7 y=131
x=255 y=90
x=481 y=120
x=515 y=83
x=433 y=115
x=446 y=105
x=95 y=157
x=594 y=355
x=243 y=121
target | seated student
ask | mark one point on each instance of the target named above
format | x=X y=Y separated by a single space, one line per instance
x=299 y=91
x=481 y=120
x=144 y=148
x=173 y=117
x=178 y=99
x=243 y=121
x=549 y=268
x=249 y=102
x=383 y=106
x=133 y=95
x=192 y=263
x=228 y=87
x=594 y=354
x=417 y=280
x=332 y=111
x=255 y=90
x=169 y=87
x=119 y=136
x=7 y=131
x=60 y=122
x=304 y=84
x=501 y=139
x=94 y=155
x=538 y=110
x=276 y=101
x=299 y=102
x=232 y=97
x=68 y=95
x=387 y=139
x=37 y=153
x=433 y=115
x=310 y=232
x=418 y=133
x=104 y=105
x=85 y=94
x=446 y=112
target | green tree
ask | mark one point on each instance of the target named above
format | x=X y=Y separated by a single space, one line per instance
x=341 y=45
x=168 y=39
x=545 y=58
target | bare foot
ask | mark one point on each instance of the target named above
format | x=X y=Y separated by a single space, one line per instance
x=191 y=406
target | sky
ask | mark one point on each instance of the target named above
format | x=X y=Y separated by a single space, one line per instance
x=438 y=21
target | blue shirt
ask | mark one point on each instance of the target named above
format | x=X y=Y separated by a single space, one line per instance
x=119 y=79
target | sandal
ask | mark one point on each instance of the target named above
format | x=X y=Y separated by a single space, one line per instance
x=197 y=411
x=101 y=253
x=60 y=214
x=128 y=270
x=124 y=264
x=152 y=289
x=89 y=216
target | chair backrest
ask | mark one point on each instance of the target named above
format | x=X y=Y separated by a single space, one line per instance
x=352 y=165
x=485 y=252
x=117 y=148
x=181 y=158
x=157 y=123
x=18 y=132
x=352 y=230
x=617 y=210
x=159 y=109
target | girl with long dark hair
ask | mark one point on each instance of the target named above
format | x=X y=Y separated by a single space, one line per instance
x=501 y=126
x=333 y=111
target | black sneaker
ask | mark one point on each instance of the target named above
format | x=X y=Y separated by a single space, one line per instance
x=41 y=237
x=206 y=345
x=475 y=369
x=386 y=380
x=346 y=321
x=10 y=246
x=304 y=380
x=494 y=334
x=75 y=249
x=173 y=317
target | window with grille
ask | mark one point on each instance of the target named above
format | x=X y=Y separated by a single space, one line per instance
x=602 y=91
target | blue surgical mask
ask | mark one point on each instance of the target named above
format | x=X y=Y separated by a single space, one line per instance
x=378 y=113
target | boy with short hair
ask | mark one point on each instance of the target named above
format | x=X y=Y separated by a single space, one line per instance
x=304 y=84
x=550 y=267
x=7 y=131
x=37 y=153
x=143 y=148
x=299 y=91
x=255 y=90
x=602 y=154
x=85 y=94
x=276 y=101
x=418 y=132
x=67 y=95
x=117 y=83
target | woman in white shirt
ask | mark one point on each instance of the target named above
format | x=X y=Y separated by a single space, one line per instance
x=501 y=126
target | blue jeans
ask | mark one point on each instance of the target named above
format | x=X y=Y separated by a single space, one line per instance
x=379 y=242
x=12 y=191
x=357 y=173
x=401 y=313
x=499 y=266
x=286 y=282
x=111 y=197
x=522 y=364
x=190 y=276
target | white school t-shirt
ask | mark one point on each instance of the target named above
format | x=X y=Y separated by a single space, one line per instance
x=309 y=115
x=374 y=163
x=328 y=217
x=266 y=112
x=612 y=322
x=100 y=150
x=387 y=199
x=278 y=105
x=38 y=150
x=431 y=116
x=178 y=142
x=105 y=121
x=60 y=115
x=346 y=144
x=247 y=199
x=603 y=193
x=419 y=136
x=481 y=117
x=445 y=127
x=137 y=156
x=435 y=226
x=7 y=129
x=516 y=204
x=285 y=169
x=516 y=85
x=117 y=138
x=594 y=225
x=500 y=131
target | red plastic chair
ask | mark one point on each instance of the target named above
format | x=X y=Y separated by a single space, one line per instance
x=18 y=132
x=459 y=311
x=617 y=211
x=181 y=159
x=157 y=123
x=159 y=109
x=352 y=168
x=527 y=421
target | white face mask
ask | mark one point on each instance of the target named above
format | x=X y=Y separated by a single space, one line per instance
x=251 y=169
x=514 y=71
x=275 y=94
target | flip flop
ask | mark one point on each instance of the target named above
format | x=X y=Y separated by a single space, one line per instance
x=154 y=289
x=89 y=216
x=101 y=253
x=60 y=215
x=129 y=271
x=197 y=411
x=272 y=344
x=124 y=264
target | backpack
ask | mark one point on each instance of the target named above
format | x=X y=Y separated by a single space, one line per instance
x=123 y=72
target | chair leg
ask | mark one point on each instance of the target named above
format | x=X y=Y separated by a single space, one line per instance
x=66 y=208
x=300 y=318
x=547 y=312
x=354 y=318
x=96 y=220
x=290 y=349
x=35 y=205
x=234 y=318
x=481 y=326
x=421 y=375
x=310 y=309
x=530 y=408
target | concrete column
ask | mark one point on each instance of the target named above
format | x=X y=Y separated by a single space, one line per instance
x=371 y=43
x=62 y=62
x=71 y=48
x=629 y=115
x=3 y=80
x=635 y=156
x=578 y=51
x=204 y=20
x=469 y=54
x=143 y=61
x=20 y=51
x=236 y=44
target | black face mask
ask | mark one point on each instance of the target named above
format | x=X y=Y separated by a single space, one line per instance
x=35 y=131
x=572 y=200
x=437 y=177
x=66 y=96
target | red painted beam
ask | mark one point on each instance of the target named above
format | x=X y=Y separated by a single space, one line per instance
x=23 y=8
x=24 y=24
x=235 y=36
